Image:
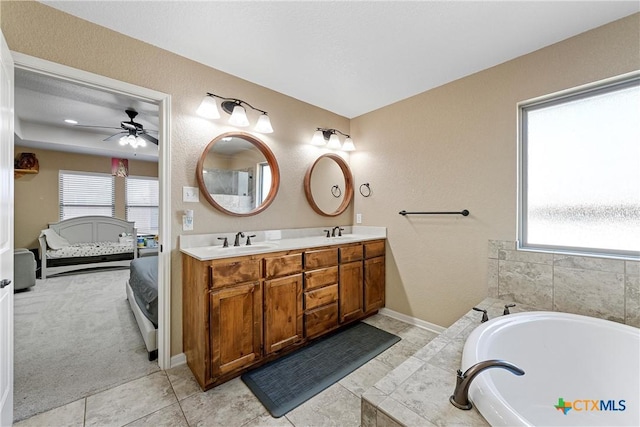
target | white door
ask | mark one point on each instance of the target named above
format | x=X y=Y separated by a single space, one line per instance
x=6 y=234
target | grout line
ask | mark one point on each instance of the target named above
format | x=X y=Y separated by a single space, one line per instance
x=84 y=418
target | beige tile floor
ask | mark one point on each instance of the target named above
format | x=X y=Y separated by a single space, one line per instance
x=173 y=398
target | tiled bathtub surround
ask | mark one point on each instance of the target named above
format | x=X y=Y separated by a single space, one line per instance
x=592 y=286
x=416 y=393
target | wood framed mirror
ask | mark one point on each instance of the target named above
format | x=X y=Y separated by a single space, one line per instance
x=238 y=174
x=328 y=185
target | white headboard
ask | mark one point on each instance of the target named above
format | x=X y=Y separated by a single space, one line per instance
x=87 y=229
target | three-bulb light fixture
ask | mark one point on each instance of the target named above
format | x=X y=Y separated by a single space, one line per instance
x=209 y=109
x=132 y=140
x=329 y=138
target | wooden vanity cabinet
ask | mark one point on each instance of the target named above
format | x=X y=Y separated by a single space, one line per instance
x=244 y=311
x=351 y=292
x=282 y=302
x=320 y=291
x=374 y=276
x=222 y=316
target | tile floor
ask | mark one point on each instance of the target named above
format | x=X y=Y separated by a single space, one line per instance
x=173 y=398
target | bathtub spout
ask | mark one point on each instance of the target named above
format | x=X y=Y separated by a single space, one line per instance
x=460 y=396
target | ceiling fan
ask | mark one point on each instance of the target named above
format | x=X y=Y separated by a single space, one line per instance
x=131 y=131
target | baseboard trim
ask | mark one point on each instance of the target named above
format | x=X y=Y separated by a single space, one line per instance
x=178 y=359
x=413 y=321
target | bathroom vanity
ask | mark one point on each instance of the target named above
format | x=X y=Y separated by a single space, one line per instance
x=244 y=306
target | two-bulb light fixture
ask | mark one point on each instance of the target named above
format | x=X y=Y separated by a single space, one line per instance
x=133 y=140
x=209 y=109
x=329 y=138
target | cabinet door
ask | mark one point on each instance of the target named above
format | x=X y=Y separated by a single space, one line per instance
x=374 y=284
x=236 y=327
x=282 y=312
x=351 y=292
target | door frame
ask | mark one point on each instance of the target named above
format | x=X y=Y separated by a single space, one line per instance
x=163 y=100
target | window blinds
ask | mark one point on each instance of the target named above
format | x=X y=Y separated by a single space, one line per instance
x=85 y=193
x=142 y=200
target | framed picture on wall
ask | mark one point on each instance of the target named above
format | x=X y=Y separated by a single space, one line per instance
x=120 y=167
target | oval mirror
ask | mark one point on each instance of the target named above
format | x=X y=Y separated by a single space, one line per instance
x=328 y=185
x=238 y=174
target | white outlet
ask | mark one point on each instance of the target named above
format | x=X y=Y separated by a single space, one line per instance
x=187 y=223
x=359 y=218
x=190 y=194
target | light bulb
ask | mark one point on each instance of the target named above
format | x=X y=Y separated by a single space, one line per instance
x=123 y=141
x=239 y=117
x=208 y=108
x=348 y=145
x=334 y=142
x=264 y=124
x=318 y=138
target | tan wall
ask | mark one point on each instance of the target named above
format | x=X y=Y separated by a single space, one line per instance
x=38 y=30
x=36 y=196
x=454 y=148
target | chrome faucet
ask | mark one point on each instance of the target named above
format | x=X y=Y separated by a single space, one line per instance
x=460 y=396
x=236 y=242
x=333 y=231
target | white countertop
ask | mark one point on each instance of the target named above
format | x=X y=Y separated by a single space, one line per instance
x=205 y=247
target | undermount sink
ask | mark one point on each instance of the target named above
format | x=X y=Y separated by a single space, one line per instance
x=345 y=237
x=249 y=248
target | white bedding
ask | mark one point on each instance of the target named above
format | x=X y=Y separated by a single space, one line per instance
x=90 y=249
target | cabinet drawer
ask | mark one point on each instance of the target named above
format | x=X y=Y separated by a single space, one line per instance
x=234 y=272
x=318 y=278
x=320 y=297
x=282 y=265
x=350 y=253
x=321 y=320
x=374 y=249
x=321 y=258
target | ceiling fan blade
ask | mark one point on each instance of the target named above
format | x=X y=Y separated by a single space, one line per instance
x=114 y=135
x=148 y=137
x=99 y=127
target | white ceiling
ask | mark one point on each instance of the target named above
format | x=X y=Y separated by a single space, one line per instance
x=349 y=57
x=43 y=102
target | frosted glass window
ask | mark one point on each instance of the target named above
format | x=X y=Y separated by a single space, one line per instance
x=580 y=171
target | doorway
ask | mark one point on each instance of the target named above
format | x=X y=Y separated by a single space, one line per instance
x=162 y=101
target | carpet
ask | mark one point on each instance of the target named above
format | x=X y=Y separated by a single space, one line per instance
x=74 y=336
x=285 y=383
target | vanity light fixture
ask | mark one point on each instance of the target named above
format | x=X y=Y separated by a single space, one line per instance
x=329 y=138
x=236 y=107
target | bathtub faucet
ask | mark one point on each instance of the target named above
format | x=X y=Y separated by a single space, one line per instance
x=460 y=396
x=485 y=316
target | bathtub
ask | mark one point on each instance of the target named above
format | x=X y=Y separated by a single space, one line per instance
x=579 y=371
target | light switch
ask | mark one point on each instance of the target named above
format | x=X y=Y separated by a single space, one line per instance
x=190 y=194
x=359 y=218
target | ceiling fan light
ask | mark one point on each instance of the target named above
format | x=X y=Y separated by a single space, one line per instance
x=123 y=141
x=264 y=124
x=348 y=145
x=318 y=138
x=141 y=142
x=239 y=117
x=208 y=108
x=334 y=142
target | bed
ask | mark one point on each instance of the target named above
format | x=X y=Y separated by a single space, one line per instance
x=142 y=293
x=86 y=242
